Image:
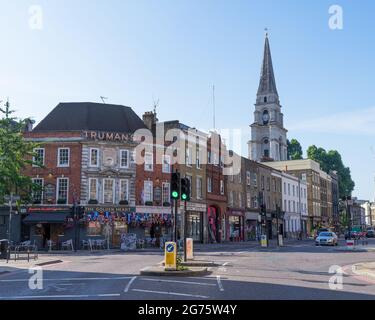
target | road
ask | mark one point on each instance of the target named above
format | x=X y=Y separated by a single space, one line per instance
x=299 y=271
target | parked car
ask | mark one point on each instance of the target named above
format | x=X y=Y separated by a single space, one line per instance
x=321 y=230
x=326 y=239
x=355 y=235
x=370 y=233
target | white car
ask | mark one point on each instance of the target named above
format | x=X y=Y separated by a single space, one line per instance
x=326 y=239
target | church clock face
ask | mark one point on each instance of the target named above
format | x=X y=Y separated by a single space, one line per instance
x=265 y=117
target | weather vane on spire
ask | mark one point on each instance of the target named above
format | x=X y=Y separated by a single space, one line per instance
x=266 y=31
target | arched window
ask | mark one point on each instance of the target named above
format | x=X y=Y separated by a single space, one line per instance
x=265 y=117
x=265 y=99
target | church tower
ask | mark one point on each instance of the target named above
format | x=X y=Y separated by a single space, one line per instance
x=268 y=135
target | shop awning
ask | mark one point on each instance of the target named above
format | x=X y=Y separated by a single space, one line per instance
x=46 y=217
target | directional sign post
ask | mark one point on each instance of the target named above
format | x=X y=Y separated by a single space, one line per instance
x=170 y=256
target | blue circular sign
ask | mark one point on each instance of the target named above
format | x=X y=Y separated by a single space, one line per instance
x=170 y=247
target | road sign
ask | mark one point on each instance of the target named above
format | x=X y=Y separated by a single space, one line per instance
x=263 y=240
x=170 y=256
x=189 y=249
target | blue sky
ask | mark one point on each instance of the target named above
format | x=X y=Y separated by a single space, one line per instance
x=136 y=51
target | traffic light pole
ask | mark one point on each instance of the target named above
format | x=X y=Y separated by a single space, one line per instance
x=185 y=230
x=175 y=220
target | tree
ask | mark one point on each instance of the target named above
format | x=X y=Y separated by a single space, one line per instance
x=332 y=160
x=294 y=150
x=15 y=153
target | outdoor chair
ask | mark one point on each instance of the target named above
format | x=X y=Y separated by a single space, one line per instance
x=85 y=244
x=66 y=245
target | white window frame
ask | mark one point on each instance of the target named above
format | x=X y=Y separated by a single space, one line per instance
x=164 y=157
x=113 y=191
x=222 y=188
x=248 y=178
x=58 y=189
x=149 y=166
x=150 y=183
x=42 y=191
x=128 y=158
x=189 y=157
x=44 y=156
x=97 y=189
x=58 y=158
x=199 y=182
x=209 y=184
x=127 y=190
x=169 y=193
x=97 y=159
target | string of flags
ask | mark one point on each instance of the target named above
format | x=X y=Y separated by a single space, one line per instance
x=129 y=217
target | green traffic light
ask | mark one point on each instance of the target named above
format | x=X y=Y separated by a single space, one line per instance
x=183 y=196
x=175 y=194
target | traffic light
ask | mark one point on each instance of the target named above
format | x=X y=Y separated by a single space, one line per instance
x=175 y=186
x=185 y=189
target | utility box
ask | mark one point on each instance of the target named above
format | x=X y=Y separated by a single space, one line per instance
x=4 y=248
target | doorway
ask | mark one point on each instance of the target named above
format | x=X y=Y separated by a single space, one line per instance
x=46 y=234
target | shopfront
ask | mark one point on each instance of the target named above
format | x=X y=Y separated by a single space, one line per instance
x=235 y=225
x=195 y=225
x=47 y=223
x=114 y=222
x=252 y=226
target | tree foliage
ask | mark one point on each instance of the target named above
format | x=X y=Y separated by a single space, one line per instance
x=15 y=153
x=332 y=160
x=294 y=150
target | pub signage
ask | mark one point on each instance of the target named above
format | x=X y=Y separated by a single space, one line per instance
x=107 y=136
x=108 y=209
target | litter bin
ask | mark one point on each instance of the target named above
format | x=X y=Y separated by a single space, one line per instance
x=3 y=248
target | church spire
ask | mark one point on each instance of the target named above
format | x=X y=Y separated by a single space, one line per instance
x=267 y=83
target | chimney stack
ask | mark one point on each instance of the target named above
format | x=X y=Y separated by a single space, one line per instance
x=149 y=119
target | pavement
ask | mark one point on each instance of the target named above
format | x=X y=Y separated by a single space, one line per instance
x=300 y=270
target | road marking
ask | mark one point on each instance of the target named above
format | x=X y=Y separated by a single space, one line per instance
x=219 y=283
x=225 y=264
x=178 y=281
x=68 y=279
x=130 y=283
x=171 y=293
x=62 y=296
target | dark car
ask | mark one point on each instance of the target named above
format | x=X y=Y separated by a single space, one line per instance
x=352 y=235
x=370 y=234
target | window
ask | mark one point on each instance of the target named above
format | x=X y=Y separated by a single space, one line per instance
x=188 y=156
x=231 y=198
x=38 y=157
x=94 y=157
x=240 y=200
x=93 y=185
x=262 y=182
x=191 y=184
x=148 y=191
x=248 y=178
x=221 y=187
x=62 y=190
x=209 y=184
x=288 y=188
x=254 y=179
x=239 y=178
x=108 y=191
x=199 y=188
x=254 y=202
x=166 y=193
x=304 y=176
x=149 y=161
x=124 y=158
x=38 y=193
x=63 y=157
x=294 y=191
x=284 y=205
x=268 y=183
x=209 y=157
x=166 y=164
x=248 y=200
x=198 y=161
x=124 y=190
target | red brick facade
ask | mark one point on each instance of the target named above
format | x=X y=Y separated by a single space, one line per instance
x=51 y=172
